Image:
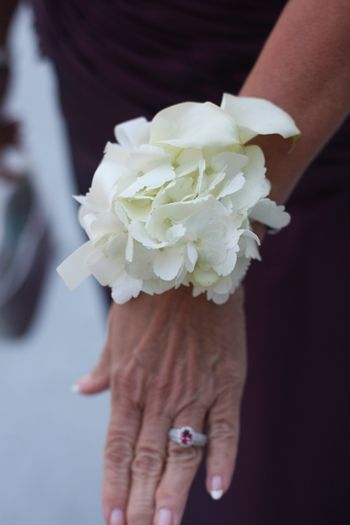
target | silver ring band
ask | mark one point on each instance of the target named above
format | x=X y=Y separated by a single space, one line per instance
x=187 y=437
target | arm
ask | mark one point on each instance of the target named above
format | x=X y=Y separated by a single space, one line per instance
x=304 y=68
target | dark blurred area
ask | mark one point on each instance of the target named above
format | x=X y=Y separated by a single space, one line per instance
x=48 y=336
x=24 y=237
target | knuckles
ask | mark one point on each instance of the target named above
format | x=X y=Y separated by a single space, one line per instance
x=148 y=461
x=140 y=516
x=119 y=452
x=127 y=384
x=224 y=428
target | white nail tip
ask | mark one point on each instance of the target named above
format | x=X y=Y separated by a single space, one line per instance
x=75 y=389
x=216 y=494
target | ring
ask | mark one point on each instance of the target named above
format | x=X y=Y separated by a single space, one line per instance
x=187 y=437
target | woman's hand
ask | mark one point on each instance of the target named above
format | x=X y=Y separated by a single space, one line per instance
x=170 y=360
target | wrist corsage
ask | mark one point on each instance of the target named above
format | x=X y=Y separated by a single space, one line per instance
x=173 y=201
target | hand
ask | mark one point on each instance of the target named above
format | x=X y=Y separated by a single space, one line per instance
x=170 y=360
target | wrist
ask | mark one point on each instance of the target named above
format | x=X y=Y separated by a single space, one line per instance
x=282 y=166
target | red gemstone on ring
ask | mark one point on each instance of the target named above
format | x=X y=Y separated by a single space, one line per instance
x=186 y=437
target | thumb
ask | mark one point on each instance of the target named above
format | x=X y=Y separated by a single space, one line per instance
x=98 y=379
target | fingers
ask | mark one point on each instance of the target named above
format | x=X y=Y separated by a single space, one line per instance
x=223 y=432
x=181 y=467
x=148 y=465
x=119 y=453
x=98 y=380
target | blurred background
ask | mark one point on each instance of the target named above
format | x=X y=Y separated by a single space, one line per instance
x=51 y=441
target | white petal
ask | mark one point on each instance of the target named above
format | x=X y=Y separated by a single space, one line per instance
x=75 y=268
x=231 y=163
x=217 y=298
x=192 y=257
x=150 y=180
x=86 y=219
x=132 y=133
x=256 y=185
x=173 y=212
x=125 y=288
x=227 y=266
x=103 y=183
x=239 y=272
x=215 y=179
x=189 y=156
x=103 y=224
x=116 y=153
x=204 y=278
x=141 y=266
x=121 y=213
x=168 y=263
x=201 y=171
x=81 y=199
x=231 y=185
x=249 y=243
x=181 y=189
x=256 y=116
x=188 y=161
x=223 y=286
x=197 y=291
x=175 y=233
x=180 y=277
x=113 y=246
x=106 y=270
x=129 y=251
x=136 y=209
x=147 y=157
x=156 y=286
x=268 y=212
x=193 y=125
x=138 y=230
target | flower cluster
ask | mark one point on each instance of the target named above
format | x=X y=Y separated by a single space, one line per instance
x=173 y=200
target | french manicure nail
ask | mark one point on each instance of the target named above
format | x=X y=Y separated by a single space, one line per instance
x=164 y=517
x=216 y=491
x=84 y=380
x=75 y=388
x=117 y=517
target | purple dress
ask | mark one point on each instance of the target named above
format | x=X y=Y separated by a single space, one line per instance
x=120 y=59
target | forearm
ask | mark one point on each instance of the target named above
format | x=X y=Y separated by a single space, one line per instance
x=304 y=68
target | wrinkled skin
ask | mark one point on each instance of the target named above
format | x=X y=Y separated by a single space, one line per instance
x=170 y=360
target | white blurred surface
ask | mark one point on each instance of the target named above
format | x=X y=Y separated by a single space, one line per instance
x=51 y=440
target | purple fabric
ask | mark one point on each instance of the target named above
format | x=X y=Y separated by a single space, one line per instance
x=120 y=59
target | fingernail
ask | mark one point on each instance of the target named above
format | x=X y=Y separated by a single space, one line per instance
x=117 y=517
x=164 y=517
x=76 y=388
x=216 y=491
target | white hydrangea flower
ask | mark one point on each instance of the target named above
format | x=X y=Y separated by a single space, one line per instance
x=171 y=202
